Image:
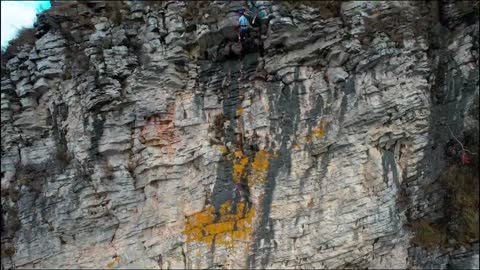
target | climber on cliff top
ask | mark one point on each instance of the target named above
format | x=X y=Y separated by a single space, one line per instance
x=244 y=24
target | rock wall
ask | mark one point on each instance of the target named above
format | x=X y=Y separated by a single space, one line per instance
x=140 y=134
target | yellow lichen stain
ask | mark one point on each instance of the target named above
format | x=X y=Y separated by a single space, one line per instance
x=225 y=208
x=239 y=166
x=223 y=149
x=231 y=225
x=238 y=153
x=225 y=238
x=221 y=227
x=234 y=221
x=114 y=262
x=259 y=168
x=317 y=132
x=260 y=163
x=240 y=111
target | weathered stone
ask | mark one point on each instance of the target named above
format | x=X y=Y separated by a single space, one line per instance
x=156 y=140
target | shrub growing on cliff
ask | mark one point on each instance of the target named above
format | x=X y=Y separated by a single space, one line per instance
x=109 y=171
x=429 y=235
x=63 y=158
x=462 y=187
x=8 y=252
x=461 y=209
x=201 y=12
x=113 y=11
x=397 y=23
x=218 y=126
x=468 y=8
x=327 y=9
x=32 y=176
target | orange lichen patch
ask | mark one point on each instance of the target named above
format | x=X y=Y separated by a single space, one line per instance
x=232 y=224
x=159 y=130
x=217 y=228
x=242 y=234
x=318 y=131
x=239 y=168
x=259 y=169
x=194 y=234
x=195 y=223
x=114 y=262
x=245 y=223
x=205 y=217
x=238 y=154
x=260 y=163
x=225 y=208
x=208 y=239
x=225 y=238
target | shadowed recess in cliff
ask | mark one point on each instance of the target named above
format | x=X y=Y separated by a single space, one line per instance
x=97 y=132
x=224 y=188
x=285 y=105
x=228 y=220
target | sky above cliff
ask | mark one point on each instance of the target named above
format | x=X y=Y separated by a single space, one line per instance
x=18 y=14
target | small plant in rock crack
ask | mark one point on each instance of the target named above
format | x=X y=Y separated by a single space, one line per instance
x=26 y=174
x=109 y=171
x=327 y=8
x=10 y=221
x=131 y=165
x=24 y=181
x=113 y=10
x=463 y=207
x=31 y=175
x=8 y=252
x=63 y=158
x=218 y=126
x=201 y=12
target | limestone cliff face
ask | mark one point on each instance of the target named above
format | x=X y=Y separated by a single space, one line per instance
x=138 y=135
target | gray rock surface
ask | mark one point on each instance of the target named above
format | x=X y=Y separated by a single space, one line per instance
x=140 y=136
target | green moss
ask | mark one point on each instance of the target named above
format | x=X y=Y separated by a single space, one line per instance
x=461 y=207
x=462 y=204
x=461 y=185
x=24 y=181
x=469 y=221
x=429 y=235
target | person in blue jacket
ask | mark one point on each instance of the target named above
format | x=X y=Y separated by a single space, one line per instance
x=244 y=24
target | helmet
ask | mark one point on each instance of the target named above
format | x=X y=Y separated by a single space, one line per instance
x=241 y=11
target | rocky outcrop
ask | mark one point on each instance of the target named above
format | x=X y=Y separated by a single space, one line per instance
x=142 y=135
